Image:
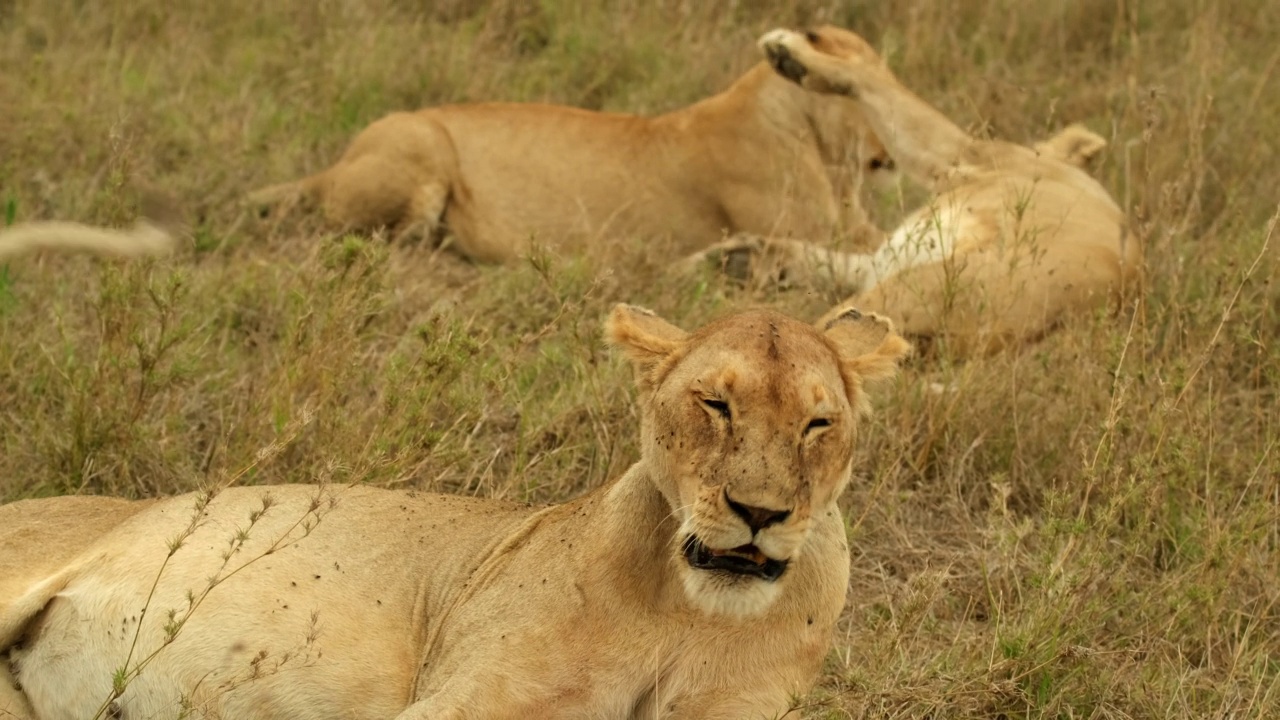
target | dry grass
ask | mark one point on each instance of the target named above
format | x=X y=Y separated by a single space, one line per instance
x=1089 y=528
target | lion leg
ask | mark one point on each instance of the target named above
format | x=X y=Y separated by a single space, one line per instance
x=373 y=192
x=13 y=704
x=425 y=213
x=784 y=261
x=399 y=174
x=920 y=139
x=463 y=698
x=39 y=539
x=427 y=710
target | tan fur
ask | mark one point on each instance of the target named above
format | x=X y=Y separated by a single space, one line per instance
x=37 y=538
x=377 y=604
x=143 y=239
x=1015 y=239
x=762 y=157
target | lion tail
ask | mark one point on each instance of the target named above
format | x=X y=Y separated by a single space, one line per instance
x=142 y=239
x=289 y=194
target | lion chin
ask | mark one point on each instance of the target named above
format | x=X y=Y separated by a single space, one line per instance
x=739 y=583
x=716 y=594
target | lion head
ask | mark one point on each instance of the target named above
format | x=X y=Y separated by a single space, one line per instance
x=846 y=139
x=748 y=428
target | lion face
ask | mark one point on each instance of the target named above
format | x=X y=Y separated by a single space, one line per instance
x=847 y=139
x=748 y=430
x=765 y=444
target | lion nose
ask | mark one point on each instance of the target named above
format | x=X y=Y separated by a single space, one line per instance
x=756 y=518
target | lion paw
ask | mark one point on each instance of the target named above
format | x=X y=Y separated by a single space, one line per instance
x=748 y=260
x=737 y=258
x=777 y=50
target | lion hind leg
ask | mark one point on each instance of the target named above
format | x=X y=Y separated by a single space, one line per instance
x=42 y=544
x=423 y=218
x=399 y=174
x=13 y=704
x=18 y=613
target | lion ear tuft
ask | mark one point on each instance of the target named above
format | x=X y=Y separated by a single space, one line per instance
x=642 y=336
x=867 y=344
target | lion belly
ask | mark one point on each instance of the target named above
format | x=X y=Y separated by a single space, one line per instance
x=928 y=236
x=318 y=613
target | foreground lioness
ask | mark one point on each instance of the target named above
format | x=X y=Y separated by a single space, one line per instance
x=704 y=583
x=1016 y=239
x=763 y=157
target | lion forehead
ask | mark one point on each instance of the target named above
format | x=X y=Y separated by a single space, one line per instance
x=766 y=351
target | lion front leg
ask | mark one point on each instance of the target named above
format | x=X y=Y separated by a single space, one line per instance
x=920 y=139
x=726 y=704
x=419 y=712
x=493 y=695
x=13 y=704
x=784 y=262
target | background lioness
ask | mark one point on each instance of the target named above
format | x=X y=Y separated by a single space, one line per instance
x=1014 y=239
x=758 y=157
x=705 y=583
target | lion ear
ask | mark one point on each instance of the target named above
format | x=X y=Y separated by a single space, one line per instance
x=868 y=347
x=1074 y=144
x=642 y=336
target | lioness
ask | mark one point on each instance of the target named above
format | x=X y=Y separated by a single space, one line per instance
x=1015 y=240
x=763 y=157
x=704 y=583
x=142 y=239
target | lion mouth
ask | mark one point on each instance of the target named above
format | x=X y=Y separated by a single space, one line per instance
x=743 y=560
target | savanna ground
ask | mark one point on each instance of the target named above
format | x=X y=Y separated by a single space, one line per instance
x=1088 y=528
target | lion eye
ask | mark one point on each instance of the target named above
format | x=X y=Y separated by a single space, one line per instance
x=816 y=425
x=811 y=36
x=718 y=407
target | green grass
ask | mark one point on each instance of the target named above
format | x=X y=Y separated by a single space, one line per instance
x=1087 y=528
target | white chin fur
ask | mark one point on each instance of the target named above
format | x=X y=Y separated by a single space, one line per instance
x=736 y=598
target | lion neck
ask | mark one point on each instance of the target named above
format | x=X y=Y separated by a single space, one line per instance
x=637 y=528
x=759 y=98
